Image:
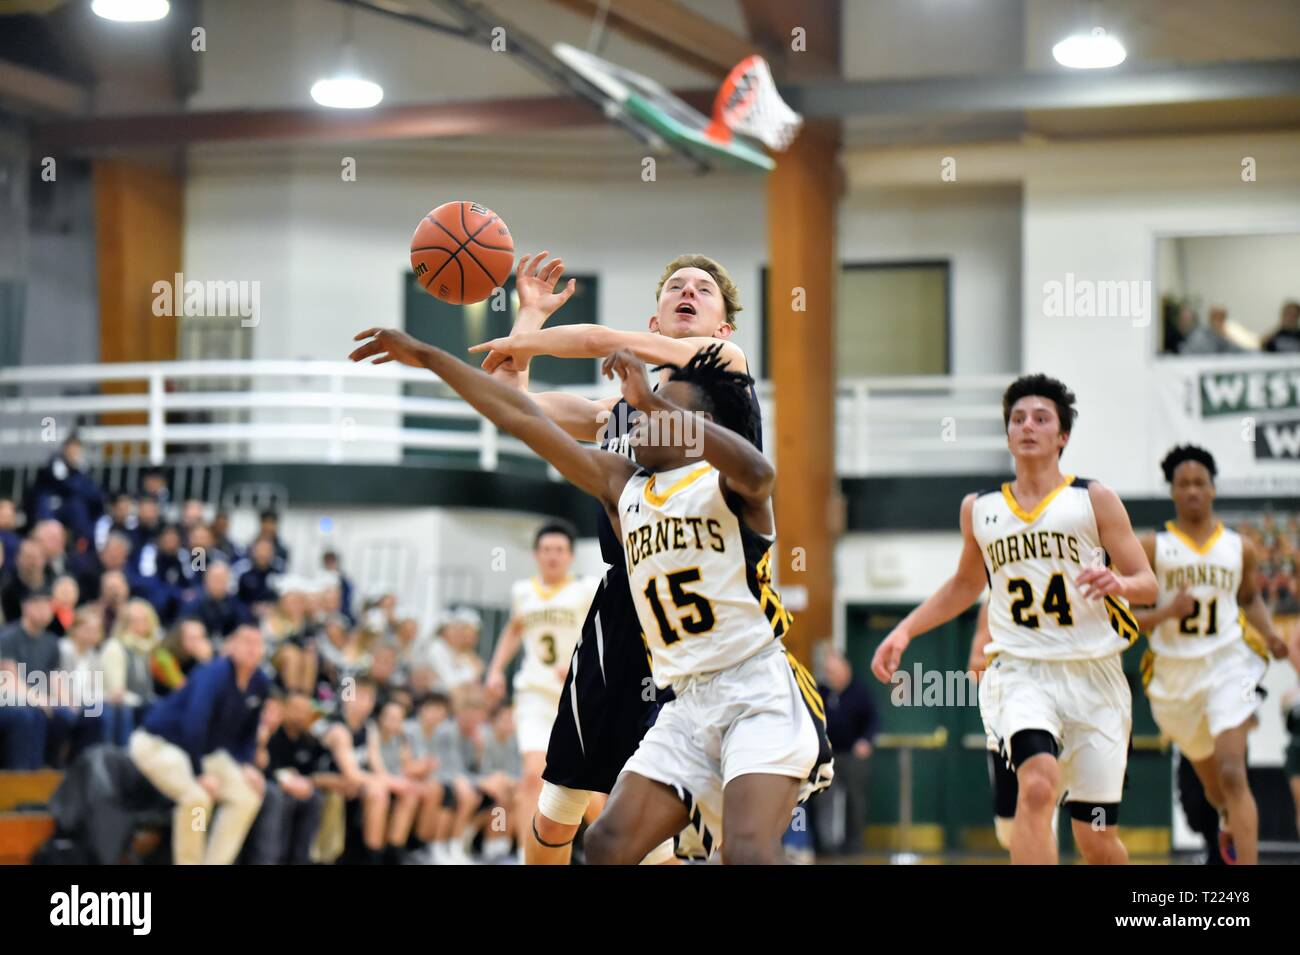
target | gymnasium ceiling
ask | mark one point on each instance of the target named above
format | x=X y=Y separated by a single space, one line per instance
x=1231 y=65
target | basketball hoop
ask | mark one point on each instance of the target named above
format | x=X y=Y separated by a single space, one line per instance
x=748 y=102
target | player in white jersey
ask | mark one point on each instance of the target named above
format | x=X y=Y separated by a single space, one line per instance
x=744 y=736
x=1204 y=667
x=1061 y=560
x=546 y=614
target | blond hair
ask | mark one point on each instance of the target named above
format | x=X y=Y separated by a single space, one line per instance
x=693 y=260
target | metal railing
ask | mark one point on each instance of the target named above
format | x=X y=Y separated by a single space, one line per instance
x=309 y=410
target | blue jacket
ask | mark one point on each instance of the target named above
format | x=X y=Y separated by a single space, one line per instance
x=210 y=713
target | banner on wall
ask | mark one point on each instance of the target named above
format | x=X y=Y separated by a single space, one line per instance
x=1245 y=410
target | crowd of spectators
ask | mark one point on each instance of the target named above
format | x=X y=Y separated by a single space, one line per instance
x=372 y=740
x=1186 y=334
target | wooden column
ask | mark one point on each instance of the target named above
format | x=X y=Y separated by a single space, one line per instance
x=139 y=214
x=138 y=223
x=802 y=196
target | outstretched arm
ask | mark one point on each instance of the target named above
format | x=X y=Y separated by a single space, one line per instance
x=579 y=417
x=597 y=341
x=956 y=594
x=599 y=473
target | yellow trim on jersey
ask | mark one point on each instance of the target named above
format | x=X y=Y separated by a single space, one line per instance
x=1121 y=619
x=1252 y=637
x=1200 y=549
x=1147 y=667
x=807 y=687
x=1030 y=516
x=658 y=499
x=769 y=600
x=549 y=594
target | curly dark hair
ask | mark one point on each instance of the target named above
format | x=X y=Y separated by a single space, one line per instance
x=723 y=394
x=1187 y=452
x=1041 y=386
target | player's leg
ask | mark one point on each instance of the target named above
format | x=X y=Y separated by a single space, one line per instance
x=595 y=806
x=1097 y=710
x=756 y=810
x=1237 y=800
x=641 y=814
x=529 y=787
x=1038 y=783
x=1295 y=798
x=1002 y=779
x=549 y=839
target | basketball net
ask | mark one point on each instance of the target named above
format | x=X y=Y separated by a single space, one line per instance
x=748 y=103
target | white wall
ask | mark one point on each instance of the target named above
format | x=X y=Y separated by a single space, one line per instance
x=1250 y=275
x=978 y=231
x=1097 y=216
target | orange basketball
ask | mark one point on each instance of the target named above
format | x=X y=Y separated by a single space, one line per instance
x=461 y=251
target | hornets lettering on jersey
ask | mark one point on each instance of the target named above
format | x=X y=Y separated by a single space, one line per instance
x=695 y=571
x=1032 y=560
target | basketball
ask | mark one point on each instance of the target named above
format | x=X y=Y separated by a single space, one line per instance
x=461 y=251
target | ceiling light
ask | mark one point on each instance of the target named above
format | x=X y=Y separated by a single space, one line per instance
x=131 y=11
x=344 y=91
x=1090 y=51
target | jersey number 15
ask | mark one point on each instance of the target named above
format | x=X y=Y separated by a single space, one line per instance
x=697 y=616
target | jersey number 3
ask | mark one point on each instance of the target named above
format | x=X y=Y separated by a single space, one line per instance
x=700 y=618
x=1055 y=601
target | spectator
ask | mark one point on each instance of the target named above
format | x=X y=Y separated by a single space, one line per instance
x=851 y=724
x=128 y=668
x=153 y=485
x=258 y=576
x=291 y=638
x=291 y=810
x=113 y=595
x=383 y=670
x=221 y=538
x=342 y=654
x=64 y=492
x=200 y=550
x=185 y=648
x=501 y=767
x=28 y=573
x=197 y=747
x=390 y=758
x=191 y=518
x=457 y=758
x=434 y=822
x=220 y=611
x=349 y=772
x=9 y=539
x=164 y=573
x=453 y=653
x=330 y=561
x=412 y=652
x=270 y=531
x=82 y=664
x=28 y=650
x=90 y=567
x=381 y=616
x=1287 y=336
x=65 y=595
x=148 y=523
x=1213 y=340
x=53 y=540
x=119 y=519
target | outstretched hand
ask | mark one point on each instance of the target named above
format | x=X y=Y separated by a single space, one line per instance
x=535 y=284
x=388 y=344
x=508 y=351
x=632 y=378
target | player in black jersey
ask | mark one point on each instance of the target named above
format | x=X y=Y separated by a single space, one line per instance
x=609 y=699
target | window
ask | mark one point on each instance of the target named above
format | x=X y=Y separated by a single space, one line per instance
x=893 y=318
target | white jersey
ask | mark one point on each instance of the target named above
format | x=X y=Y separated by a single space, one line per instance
x=1032 y=560
x=699 y=578
x=552 y=623
x=1211 y=574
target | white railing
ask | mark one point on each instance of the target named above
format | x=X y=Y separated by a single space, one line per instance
x=308 y=411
